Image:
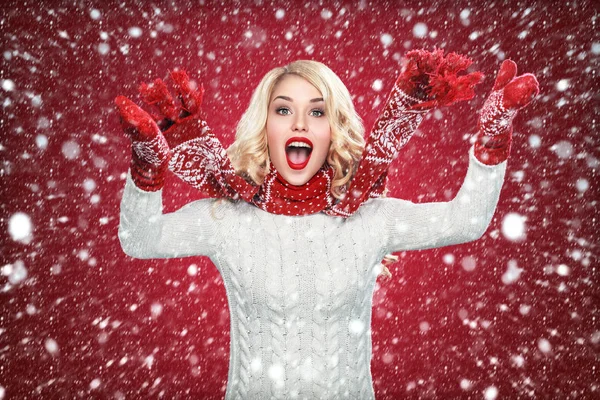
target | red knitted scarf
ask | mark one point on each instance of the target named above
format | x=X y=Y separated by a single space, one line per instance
x=277 y=196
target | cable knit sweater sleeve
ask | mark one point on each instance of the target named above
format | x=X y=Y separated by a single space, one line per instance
x=413 y=226
x=145 y=232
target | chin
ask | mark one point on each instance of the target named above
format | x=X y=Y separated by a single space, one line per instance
x=299 y=177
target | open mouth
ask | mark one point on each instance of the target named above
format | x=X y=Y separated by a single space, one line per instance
x=297 y=151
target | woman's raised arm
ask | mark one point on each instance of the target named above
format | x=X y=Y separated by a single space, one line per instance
x=145 y=232
x=411 y=226
x=422 y=226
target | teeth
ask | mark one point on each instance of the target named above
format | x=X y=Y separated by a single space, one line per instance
x=299 y=144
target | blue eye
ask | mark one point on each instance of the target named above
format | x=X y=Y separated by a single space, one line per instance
x=283 y=111
x=317 y=113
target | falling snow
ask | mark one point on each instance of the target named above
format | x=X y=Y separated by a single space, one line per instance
x=41 y=141
x=420 y=30
x=544 y=345
x=71 y=149
x=16 y=272
x=535 y=141
x=563 y=270
x=135 y=32
x=51 y=346
x=277 y=374
x=387 y=39
x=377 y=85
x=103 y=48
x=95 y=384
x=514 y=309
x=563 y=149
x=490 y=393
x=356 y=327
x=512 y=274
x=326 y=14
x=8 y=85
x=95 y=14
x=20 y=227
x=465 y=384
x=513 y=226
x=469 y=263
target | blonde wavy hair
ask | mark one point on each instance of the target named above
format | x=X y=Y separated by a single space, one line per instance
x=249 y=153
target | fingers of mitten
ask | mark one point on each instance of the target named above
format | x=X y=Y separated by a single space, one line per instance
x=190 y=96
x=158 y=95
x=520 y=91
x=433 y=76
x=426 y=61
x=449 y=88
x=453 y=63
x=127 y=109
x=137 y=123
x=417 y=65
x=192 y=101
x=508 y=70
x=469 y=81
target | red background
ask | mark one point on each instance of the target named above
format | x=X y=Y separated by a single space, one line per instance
x=80 y=324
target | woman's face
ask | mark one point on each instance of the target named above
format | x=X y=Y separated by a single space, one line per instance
x=298 y=132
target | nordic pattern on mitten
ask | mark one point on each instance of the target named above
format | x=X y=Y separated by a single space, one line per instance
x=394 y=128
x=203 y=163
x=495 y=118
x=153 y=151
x=392 y=131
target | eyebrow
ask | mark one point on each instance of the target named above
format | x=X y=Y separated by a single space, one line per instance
x=315 y=100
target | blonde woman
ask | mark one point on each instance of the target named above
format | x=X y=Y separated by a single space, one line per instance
x=300 y=242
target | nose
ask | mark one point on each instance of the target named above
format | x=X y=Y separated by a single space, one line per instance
x=299 y=123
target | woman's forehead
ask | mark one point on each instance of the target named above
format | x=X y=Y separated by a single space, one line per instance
x=295 y=87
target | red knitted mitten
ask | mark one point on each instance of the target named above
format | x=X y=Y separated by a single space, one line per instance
x=510 y=94
x=430 y=79
x=427 y=80
x=152 y=135
x=178 y=120
x=150 y=151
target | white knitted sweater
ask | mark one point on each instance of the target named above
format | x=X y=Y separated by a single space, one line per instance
x=300 y=288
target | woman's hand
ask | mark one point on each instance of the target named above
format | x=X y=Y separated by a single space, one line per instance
x=431 y=79
x=150 y=151
x=510 y=94
x=153 y=135
x=178 y=120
